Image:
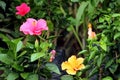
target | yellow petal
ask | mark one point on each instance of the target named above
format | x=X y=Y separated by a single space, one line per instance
x=80 y=60
x=65 y=65
x=81 y=66
x=71 y=71
x=72 y=60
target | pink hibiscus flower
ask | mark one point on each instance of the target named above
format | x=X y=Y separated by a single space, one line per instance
x=23 y=9
x=33 y=27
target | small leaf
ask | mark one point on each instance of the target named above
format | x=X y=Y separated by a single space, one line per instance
x=107 y=78
x=82 y=52
x=24 y=75
x=12 y=76
x=18 y=67
x=92 y=54
x=19 y=46
x=23 y=53
x=67 y=77
x=109 y=63
x=3 y=5
x=32 y=77
x=50 y=25
x=117 y=35
x=36 y=56
x=75 y=0
x=113 y=68
x=5 y=59
x=93 y=71
x=101 y=26
x=44 y=45
x=99 y=60
x=53 y=68
x=116 y=15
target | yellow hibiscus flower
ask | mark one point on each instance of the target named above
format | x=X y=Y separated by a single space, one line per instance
x=73 y=65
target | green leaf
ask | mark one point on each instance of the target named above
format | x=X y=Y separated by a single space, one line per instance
x=113 y=68
x=101 y=20
x=93 y=71
x=3 y=5
x=117 y=35
x=44 y=45
x=18 y=67
x=6 y=59
x=99 y=60
x=116 y=15
x=23 y=53
x=50 y=25
x=4 y=37
x=92 y=55
x=1 y=17
x=67 y=77
x=19 y=46
x=107 y=78
x=101 y=26
x=109 y=63
x=53 y=68
x=80 y=12
x=82 y=52
x=75 y=0
x=36 y=56
x=24 y=75
x=12 y=76
x=32 y=77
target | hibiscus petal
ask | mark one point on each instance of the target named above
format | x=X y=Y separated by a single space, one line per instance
x=42 y=24
x=66 y=65
x=71 y=71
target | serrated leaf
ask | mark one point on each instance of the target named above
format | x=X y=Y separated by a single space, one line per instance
x=67 y=77
x=36 y=56
x=53 y=68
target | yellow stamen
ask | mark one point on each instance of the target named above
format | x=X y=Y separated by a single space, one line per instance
x=34 y=23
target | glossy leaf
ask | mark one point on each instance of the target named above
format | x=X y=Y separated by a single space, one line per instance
x=53 y=68
x=24 y=75
x=80 y=12
x=12 y=76
x=32 y=77
x=67 y=77
x=6 y=59
x=36 y=56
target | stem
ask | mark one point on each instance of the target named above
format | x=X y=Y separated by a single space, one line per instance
x=77 y=37
x=84 y=30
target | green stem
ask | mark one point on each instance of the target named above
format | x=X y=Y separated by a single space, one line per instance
x=77 y=37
